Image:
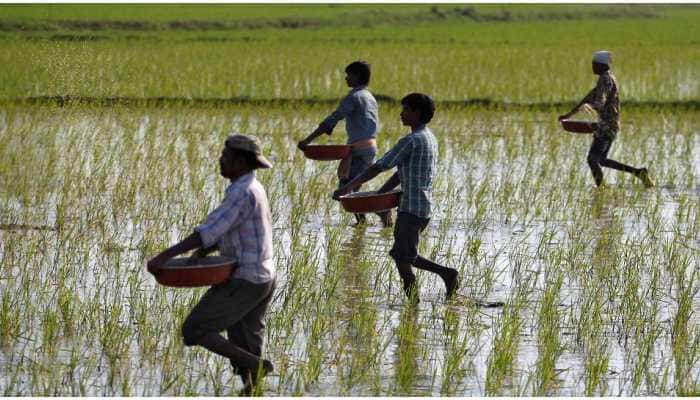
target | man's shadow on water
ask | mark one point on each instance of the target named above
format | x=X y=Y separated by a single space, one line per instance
x=600 y=208
x=361 y=313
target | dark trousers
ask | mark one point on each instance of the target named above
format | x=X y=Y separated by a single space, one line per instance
x=598 y=157
x=405 y=249
x=237 y=306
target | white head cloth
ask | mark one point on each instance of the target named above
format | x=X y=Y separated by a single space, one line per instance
x=602 y=57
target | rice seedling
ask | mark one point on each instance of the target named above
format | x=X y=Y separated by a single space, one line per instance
x=506 y=339
x=599 y=286
x=405 y=362
x=549 y=346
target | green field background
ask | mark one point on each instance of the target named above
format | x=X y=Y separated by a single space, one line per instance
x=505 y=53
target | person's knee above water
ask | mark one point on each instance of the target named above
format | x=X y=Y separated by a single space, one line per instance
x=415 y=157
x=604 y=99
x=240 y=228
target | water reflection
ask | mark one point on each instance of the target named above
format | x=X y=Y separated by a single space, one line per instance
x=359 y=314
x=405 y=355
x=592 y=324
x=341 y=320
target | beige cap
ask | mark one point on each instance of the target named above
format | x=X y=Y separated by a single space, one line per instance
x=602 y=57
x=250 y=144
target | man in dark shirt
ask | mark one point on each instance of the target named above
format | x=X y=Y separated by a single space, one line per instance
x=604 y=99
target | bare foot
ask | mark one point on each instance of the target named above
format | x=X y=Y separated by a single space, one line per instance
x=360 y=219
x=644 y=176
x=451 y=283
x=251 y=380
x=411 y=291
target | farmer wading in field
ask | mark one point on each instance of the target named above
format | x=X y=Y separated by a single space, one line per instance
x=360 y=111
x=415 y=156
x=605 y=101
x=239 y=228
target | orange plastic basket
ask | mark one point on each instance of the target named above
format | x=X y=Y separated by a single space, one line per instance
x=363 y=202
x=579 y=126
x=327 y=152
x=206 y=271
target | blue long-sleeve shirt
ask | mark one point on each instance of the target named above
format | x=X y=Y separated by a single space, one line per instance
x=361 y=113
x=242 y=228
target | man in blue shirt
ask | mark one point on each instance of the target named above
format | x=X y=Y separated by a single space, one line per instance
x=360 y=111
x=415 y=156
x=240 y=228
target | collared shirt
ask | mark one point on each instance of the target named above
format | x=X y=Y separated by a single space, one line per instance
x=242 y=228
x=415 y=155
x=605 y=100
x=360 y=111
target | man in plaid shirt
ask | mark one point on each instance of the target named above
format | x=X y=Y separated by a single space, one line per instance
x=415 y=156
x=240 y=228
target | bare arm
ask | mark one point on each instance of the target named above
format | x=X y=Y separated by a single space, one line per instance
x=576 y=108
x=204 y=251
x=346 y=106
x=390 y=184
x=595 y=96
x=316 y=133
x=191 y=242
x=365 y=176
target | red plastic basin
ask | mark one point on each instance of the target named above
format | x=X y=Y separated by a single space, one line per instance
x=363 y=202
x=327 y=152
x=579 y=126
x=206 y=271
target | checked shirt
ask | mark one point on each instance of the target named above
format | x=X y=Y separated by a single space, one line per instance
x=415 y=155
x=242 y=228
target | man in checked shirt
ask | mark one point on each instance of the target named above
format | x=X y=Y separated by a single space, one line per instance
x=239 y=228
x=415 y=156
x=605 y=100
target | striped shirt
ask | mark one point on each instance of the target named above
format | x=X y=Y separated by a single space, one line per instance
x=415 y=155
x=361 y=113
x=242 y=228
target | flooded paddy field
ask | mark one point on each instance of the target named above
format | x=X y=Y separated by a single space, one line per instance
x=600 y=287
x=112 y=119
